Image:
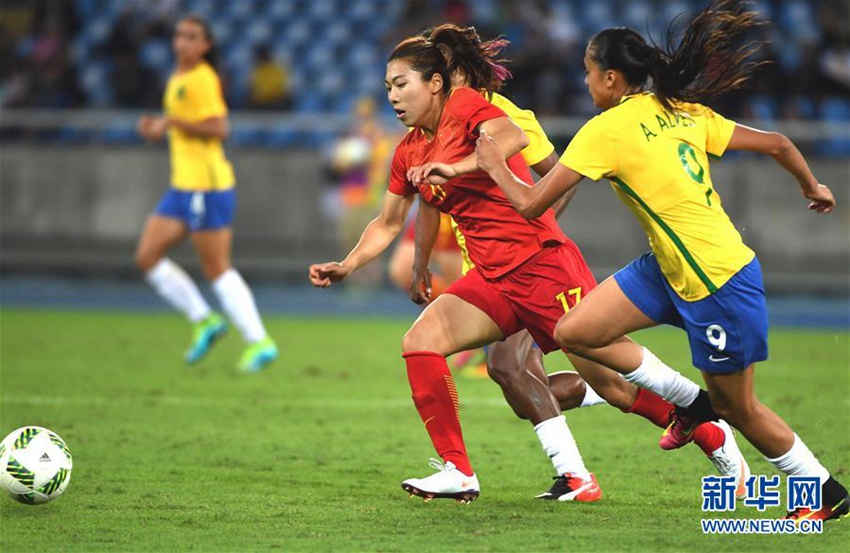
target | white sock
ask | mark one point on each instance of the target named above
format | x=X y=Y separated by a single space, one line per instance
x=800 y=461
x=238 y=302
x=560 y=446
x=591 y=398
x=178 y=289
x=657 y=377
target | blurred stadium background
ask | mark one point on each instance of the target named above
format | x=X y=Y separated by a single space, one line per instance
x=76 y=182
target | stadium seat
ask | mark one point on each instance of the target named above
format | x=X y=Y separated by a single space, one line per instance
x=94 y=80
x=281 y=11
x=121 y=132
x=797 y=19
x=764 y=108
x=836 y=111
x=597 y=16
x=258 y=32
x=309 y=103
x=244 y=136
x=280 y=137
x=638 y=15
x=156 y=55
x=338 y=34
x=222 y=30
x=802 y=106
x=241 y=10
x=323 y=11
x=364 y=11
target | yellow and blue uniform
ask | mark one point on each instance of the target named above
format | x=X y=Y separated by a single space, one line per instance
x=539 y=148
x=657 y=161
x=202 y=178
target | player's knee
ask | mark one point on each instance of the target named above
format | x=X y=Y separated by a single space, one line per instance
x=498 y=370
x=417 y=339
x=146 y=260
x=568 y=389
x=214 y=269
x=577 y=338
x=736 y=413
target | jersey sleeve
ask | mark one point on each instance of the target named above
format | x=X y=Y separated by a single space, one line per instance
x=591 y=152
x=208 y=96
x=718 y=132
x=470 y=107
x=399 y=183
x=539 y=147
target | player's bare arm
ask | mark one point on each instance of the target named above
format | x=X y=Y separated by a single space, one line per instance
x=542 y=168
x=153 y=127
x=376 y=237
x=529 y=201
x=786 y=154
x=427 y=229
x=510 y=139
x=214 y=127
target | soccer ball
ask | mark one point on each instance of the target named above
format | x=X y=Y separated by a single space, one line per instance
x=35 y=465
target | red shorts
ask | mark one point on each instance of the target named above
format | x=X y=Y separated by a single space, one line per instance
x=534 y=296
x=446 y=241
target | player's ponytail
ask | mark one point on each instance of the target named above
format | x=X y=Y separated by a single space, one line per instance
x=448 y=49
x=211 y=56
x=464 y=51
x=712 y=57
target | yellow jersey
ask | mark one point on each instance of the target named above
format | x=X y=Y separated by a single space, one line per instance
x=657 y=163
x=197 y=163
x=539 y=148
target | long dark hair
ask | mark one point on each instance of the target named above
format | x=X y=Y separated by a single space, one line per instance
x=712 y=57
x=211 y=57
x=449 y=48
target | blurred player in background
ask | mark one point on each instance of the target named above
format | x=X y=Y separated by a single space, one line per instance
x=360 y=160
x=653 y=142
x=199 y=204
x=519 y=279
x=446 y=254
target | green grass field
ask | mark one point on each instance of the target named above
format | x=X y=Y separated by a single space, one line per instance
x=308 y=456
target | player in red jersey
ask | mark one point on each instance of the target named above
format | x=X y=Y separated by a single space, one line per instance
x=528 y=273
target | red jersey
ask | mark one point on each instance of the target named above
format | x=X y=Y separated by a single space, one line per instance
x=498 y=238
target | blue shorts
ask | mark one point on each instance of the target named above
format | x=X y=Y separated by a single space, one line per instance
x=727 y=330
x=199 y=210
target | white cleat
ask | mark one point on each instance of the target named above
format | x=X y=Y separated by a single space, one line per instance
x=448 y=483
x=729 y=461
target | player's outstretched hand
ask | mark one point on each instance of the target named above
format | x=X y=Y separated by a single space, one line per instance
x=420 y=285
x=152 y=128
x=433 y=172
x=488 y=152
x=144 y=125
x=822 y=199
x=323 y=275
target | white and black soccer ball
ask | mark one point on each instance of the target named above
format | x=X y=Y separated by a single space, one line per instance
x=35 y=465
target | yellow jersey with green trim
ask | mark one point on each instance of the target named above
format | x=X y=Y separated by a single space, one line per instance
x=539 y=148
x=197 y=163
x=657 y=163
